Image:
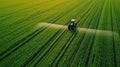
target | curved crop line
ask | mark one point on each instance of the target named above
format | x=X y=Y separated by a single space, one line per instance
x=42 y=53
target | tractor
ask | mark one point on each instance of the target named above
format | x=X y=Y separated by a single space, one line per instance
x=72 y=25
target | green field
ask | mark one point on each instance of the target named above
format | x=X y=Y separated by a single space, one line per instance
x=33 y=33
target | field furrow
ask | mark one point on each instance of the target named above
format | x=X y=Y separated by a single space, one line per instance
x=42 y=33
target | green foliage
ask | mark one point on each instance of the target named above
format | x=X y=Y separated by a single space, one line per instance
x=26 y=41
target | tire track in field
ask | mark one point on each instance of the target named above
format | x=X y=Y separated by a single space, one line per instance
x=19 y=42
x=113 y=38
x=81 y=39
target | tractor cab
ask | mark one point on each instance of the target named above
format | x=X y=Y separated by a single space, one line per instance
x=72 y=25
